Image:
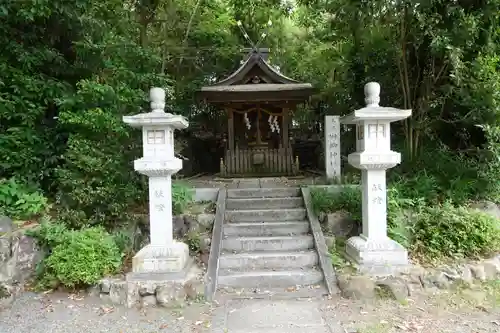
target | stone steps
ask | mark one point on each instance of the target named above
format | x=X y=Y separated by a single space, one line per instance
x=264 y=203
x=271 y=228
x=268 y=243
x=292 y=292
x=270 y=278
x=259 y=215
x=267 y=246
x=268 y=260
x=264 y=193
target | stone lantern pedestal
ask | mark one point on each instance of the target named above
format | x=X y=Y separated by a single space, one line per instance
x=373 y=251
x=163 y=258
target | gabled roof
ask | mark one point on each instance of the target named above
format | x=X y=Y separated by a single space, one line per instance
x=273 y=86
x=255 y=59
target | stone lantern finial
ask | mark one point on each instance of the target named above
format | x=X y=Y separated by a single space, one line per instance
x=372 y=94
x=157 y=97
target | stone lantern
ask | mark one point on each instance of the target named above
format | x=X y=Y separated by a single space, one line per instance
x=163 y=254
x=373 y=251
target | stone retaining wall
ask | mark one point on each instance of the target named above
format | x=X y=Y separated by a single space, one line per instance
x=144 y=293
x=19 y=256
x=420 y=280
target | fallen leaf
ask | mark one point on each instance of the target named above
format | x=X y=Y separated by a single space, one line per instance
x=163 y=326
x=105 y=310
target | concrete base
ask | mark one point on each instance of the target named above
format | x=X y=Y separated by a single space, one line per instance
x=377 y=257
x=154 y=259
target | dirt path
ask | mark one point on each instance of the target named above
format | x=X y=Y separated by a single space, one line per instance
x=463 y=311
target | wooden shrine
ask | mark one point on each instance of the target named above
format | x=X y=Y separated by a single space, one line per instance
x=259 y=102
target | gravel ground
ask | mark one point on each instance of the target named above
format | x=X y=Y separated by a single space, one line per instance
x=467 y=311
x=463 y=311
x=60 y=313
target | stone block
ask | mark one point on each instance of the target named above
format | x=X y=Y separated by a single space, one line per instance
x=161 y=259
x=264 y=192
x=340 y=224
x=478 y=272
x=279 y=243
x=377 y=257
x=357 y=287
x=491 y=268
x=118 y=292
x=397 y=287
x=148 y=301
x=206 y=220
x=286 y=228
x=291 y=214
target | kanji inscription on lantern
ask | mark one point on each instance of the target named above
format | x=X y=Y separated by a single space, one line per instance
x=332 y=146
x=377 y=187
x=156 y=137
x=160 y=207
x=376 y=130
x=378 y=200
x=159 y=193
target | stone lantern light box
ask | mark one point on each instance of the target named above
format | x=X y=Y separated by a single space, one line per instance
x=373 y=251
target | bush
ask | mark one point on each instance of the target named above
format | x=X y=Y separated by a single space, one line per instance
x=19 y=201
x=182 y=196
x=456 y=232
x=75 y=258
x=348 y=199
x=427 y=231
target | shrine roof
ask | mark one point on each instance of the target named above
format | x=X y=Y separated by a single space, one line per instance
x=259 y=87
x=256 y=80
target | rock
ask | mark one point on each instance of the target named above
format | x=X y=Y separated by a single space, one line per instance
x=340 y=224
x=466 y=276
x=357 y=287
x=170 y=294
x=179 y=226
x=487 y=207
x=133 y=295
x=118 y=292
x=205 y=244
x=147 y=289
x=478 y=272
x=396 y=287
x=7 y=294
x=440 y=280
x=206 y=221
x=94 y=291
x=149 y=300
x=435 y=279
x=105 y=285
x=191 y=290
x=28 y=256
x=21 y=256
x=190 y=224
x=413 y=280
x=6 y=225
x=491 y=269
x=330 y=242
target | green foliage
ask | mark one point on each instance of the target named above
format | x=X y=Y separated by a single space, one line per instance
x=347 y=199
x=182 y=196
x=430 y=230
x=76 y=258
x=193 y=240
x=456 y=232
x=19 y=201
